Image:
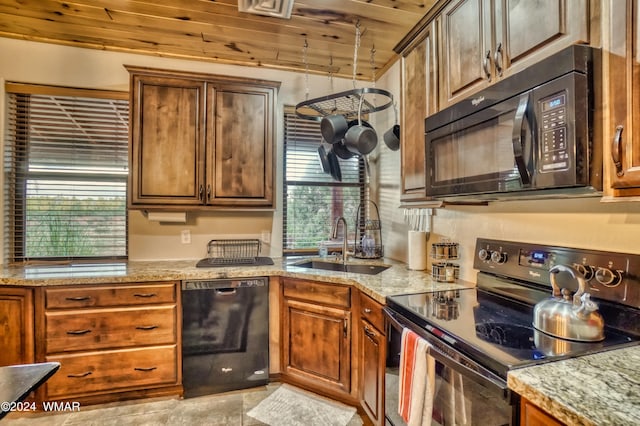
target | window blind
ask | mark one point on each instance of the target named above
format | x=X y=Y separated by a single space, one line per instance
x=313 y=200
x=65 y=173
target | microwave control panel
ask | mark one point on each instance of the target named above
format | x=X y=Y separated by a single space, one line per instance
x=554 y=153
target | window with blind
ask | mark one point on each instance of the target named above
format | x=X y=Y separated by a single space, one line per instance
x=65 y=173
x=313 y=200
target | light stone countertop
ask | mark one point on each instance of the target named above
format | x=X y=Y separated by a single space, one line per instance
x=598 y=389
x=398 y=279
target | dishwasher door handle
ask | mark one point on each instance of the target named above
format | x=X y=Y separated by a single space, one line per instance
x=226 y=291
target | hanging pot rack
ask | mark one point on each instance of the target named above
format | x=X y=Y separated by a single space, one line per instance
x=352 y=104
x=345 y=103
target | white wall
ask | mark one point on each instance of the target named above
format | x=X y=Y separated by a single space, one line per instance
x=51 y=64
x=583 y=223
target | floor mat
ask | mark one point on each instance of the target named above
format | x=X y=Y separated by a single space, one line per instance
x=292 y=407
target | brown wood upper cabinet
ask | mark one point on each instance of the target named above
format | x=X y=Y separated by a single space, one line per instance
x=419 y=98
x=622 y=90
x=482 y=41
x=200 y=140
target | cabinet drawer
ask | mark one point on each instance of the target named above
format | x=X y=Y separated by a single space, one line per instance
x=90 y=329
x=326 y=294
x=110 y=295
x=92 y=372
x=371 y=311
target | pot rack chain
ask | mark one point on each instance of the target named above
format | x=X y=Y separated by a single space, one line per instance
x=305 y=60
x=344 y=103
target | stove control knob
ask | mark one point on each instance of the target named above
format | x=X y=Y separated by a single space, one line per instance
x=587 y=271
x=484 y=255
x=608 y=277
x=499 y=257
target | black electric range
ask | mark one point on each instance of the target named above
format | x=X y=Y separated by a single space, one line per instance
x=492 y=323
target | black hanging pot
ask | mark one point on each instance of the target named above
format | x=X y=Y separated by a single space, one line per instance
x=361 y=138
x=334 y=165
x=324 y=159
x=342 y=151
x=392 y=138
x=333 y=128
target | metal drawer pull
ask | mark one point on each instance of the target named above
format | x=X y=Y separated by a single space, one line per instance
x=366 y=310
x=78 y=298
x=145 y=369
x=616 y=151
x=146 y=327
x=145 y=294
x=79 y=332
x=79 y=376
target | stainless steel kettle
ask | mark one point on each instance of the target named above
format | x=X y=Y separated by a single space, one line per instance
x=574 y=318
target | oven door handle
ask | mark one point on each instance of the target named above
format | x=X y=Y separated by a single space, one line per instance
x=483 y=379
x=519 y=137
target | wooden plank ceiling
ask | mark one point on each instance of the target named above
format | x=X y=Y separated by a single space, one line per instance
x=214 y=30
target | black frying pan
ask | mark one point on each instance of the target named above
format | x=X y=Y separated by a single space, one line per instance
x=336 y=173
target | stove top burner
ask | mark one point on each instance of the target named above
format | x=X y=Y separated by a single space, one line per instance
x=494 y=331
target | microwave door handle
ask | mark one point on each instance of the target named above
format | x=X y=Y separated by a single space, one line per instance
x=518 y=139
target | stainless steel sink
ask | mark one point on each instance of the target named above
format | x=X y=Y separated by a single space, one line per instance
x=356 y=268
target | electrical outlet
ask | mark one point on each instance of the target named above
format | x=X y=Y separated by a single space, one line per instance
x=265 y=236
x=185 y=236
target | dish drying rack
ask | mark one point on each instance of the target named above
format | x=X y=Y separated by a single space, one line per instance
x=233 y=252
x=371 y=227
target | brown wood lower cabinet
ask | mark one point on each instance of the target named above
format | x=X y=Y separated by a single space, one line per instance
x=532 y=415
x=108 y=371
x=16 y=326
x=113 y=342
x=372 y=359
x=316 y=336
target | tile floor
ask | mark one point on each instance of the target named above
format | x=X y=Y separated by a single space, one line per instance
x=222 y=409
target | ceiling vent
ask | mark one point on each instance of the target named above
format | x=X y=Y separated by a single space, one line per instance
x=275 y=8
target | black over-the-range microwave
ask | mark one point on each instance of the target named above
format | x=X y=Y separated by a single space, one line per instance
x=530 y=135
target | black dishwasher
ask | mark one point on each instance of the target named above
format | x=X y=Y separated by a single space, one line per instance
x=225 y=335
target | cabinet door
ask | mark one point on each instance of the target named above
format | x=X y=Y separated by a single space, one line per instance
x=317 y=345
x=419 y=99
x=621 y=82
x=466 y=63
x=372 y=370
x=167 y=145
x=240 y=137
x=531 y=415
x=16 y=326
x=528 y=31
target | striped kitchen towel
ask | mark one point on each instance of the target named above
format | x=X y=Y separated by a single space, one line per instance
x=417 y=380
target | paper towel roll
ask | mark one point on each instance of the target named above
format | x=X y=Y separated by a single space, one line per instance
x=417 y=250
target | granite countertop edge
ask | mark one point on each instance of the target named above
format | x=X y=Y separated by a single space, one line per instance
x=397 y=279
x=597 y=389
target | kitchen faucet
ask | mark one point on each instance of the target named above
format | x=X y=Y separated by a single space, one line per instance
x=334 y=234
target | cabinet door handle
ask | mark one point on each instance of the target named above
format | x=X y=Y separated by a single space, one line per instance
x=78 y=298
x=366 y=310
x=201 y=193
x=78 y=332
x=145 y=369
x=146 y=295
x=616 y=151
x=208 y=193
x=345 y=327
x=370 y=333
x=79 y=376
x=146 y=327
x=497 y=59
x=485 y=65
